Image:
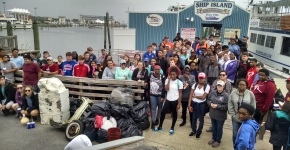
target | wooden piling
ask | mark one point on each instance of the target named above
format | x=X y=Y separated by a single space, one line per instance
x=105 y=33
x=9 y=29
x=36 y=36
x=109 y=38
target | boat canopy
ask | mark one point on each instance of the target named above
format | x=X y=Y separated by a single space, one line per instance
x=19 y=11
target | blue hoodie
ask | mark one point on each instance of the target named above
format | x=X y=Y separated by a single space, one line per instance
x=246 y=135
x=235 y=49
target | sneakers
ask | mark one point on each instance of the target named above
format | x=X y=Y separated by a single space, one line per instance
x=171 y=132
x=191 y=134
x=182 y=124
x=159 y=129
x=152 y=126
x=156 y=122
x=197 y=135
x=209 y=129
x=215 y=144
x=210 y=142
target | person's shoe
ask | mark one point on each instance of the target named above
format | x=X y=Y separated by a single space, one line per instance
x=152 y=126
x=156 y=122
x=191 y=134
x=215 y=144
x=5 y=112
x=210 y=142
x=182 y=124
x=159 y=129
x=17 y=115
x=197 y=135
x=171 y=132
x=209 y=129
x=12 y=112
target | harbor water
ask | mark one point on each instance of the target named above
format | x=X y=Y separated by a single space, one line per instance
x=58 y=41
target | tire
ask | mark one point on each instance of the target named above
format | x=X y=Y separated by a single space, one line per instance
x=73 y=129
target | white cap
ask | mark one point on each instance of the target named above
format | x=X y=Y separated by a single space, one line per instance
x=220 y=82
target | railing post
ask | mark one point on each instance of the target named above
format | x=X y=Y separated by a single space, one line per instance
x=36 y=36
x=9 y=29
x=81 y=90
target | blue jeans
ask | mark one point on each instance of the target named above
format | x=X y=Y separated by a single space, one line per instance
x=155 y=101
x=217 y=129
x=198 y=113
x=236 y=127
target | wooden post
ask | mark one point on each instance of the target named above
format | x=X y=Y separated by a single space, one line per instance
x=1 y=28
x=9 y=29
x=108 y=22
x=105 y=33
x=36 y=36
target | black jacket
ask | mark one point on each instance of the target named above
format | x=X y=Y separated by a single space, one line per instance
x=35 y=103
x=90 y=75
x=242 y=70
x=135 y=74
x=9 y=92
x=163 y=64
x=278 y=123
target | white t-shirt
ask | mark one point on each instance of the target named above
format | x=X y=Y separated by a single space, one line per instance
x=200 y=92
x=173 y=93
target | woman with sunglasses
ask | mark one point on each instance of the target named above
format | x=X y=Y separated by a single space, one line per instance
x=218 y=102
x=18 y=99
x=223 y=76
x=30 y=104
x=123 y=72
x=127 y=59
x=236 y=99
x=96 y=70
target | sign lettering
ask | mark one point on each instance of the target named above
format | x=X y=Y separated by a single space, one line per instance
x=154 y=20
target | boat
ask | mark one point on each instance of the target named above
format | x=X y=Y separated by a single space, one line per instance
x=269 y=31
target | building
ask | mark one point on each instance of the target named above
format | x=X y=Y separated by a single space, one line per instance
x=61 y=20
x=218 y=17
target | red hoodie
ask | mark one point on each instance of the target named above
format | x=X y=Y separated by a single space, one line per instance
x=264 y=93
x=81 y=70
x=251 y=76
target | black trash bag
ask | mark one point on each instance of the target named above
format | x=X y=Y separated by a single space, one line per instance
x=74 y=105
x=130 y=131
x=101 y=108
x=145 y=124
x=124 y=123
x=140 y=111
x=119 y=112
x=102 y=136
x=90 y=130
x=122 y=96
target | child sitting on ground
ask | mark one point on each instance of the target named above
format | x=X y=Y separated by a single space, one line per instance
x=247 y=133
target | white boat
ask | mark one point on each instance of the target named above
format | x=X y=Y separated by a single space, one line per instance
x=269 y=31
x=15 y=23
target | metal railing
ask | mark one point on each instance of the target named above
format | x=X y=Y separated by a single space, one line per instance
x=8 y=43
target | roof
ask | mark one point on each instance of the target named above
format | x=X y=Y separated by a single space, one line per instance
x=19 y=10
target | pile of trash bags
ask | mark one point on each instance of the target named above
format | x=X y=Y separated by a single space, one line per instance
x=120 y=110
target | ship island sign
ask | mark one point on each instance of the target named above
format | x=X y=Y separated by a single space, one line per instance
x=154 y=20
x=213 y=11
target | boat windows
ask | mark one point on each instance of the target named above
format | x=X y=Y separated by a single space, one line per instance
x=261 y=39
x=285 y=50
x=270 y=41
x=253 y=37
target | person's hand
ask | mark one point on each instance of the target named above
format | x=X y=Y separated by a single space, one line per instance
x=162 y=100
x=178 y=106
x=126 y=77
x=186 y=76
x=139 y=81
x=145 y=84
x=168 y=77
x=190 y=109
x=213 y=105
x=6 y=71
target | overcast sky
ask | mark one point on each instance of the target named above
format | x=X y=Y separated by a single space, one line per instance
x=73 y=8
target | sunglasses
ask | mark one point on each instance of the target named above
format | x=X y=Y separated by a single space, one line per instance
x=19 y=87
x=90 y=50
x=27 y=90
x=222 y=74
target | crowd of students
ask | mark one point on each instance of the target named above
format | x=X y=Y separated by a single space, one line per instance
x=199 y=77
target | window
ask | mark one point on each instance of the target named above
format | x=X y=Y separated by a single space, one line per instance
x=270 y=41
x=261 y=39
x=253 y=37
x=285 y=50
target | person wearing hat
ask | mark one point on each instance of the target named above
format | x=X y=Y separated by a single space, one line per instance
x=123 y=72
x=287 y=97
x=31 y=73
x=50 y=67
x=233 y=47
x=192 y=58
x=187 y=80
x=8 y=68
x=197 y=104
x=43 y=61
x=246 y=137
x=102 y=57
x=96 y=70
x=218 y=107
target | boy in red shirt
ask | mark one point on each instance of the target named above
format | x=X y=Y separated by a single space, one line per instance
x=251 y=72
x=287 y=97
x=50 y=67
x=81 y=69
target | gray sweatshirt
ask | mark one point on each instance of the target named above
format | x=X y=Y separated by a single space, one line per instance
x=109 y=73
x=221 y=99
x=235 y=100
x=228 y=86
x=187 y=90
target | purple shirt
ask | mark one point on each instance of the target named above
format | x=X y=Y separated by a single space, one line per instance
x=18 y=98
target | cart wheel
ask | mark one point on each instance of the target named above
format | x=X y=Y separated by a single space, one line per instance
x=74 y=129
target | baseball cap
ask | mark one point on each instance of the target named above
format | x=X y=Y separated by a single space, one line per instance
x=45 y=52
x=201 y=75
x=146 y=59
x=288 y=79
x=49 y=58
x=246 y=37
x=192 y=51
x=122 y=61
x=220 y=82
x=98 y=62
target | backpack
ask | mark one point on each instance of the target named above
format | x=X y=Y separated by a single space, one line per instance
x=204 y=87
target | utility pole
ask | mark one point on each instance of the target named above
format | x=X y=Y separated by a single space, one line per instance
x=35 y=11
x=4 y=6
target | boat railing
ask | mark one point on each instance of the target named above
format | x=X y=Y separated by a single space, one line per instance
x=95 y=89
x=8 y=43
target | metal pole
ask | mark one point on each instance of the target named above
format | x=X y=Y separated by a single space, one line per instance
x=9 y=29
x=4 y=6
x=36 y=36
x=108 y=33
x=105 y=33
x=177 y=18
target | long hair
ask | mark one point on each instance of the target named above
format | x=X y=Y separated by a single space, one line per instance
x=143 y=68
x=178 y=63
x=23 y=94
x=105 y=64
x=174 y=45
x=139 y=56
x=128 y=61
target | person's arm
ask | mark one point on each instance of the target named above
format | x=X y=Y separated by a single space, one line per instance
x=134 y=75
x=24 y=104
x=73 y=71
x=163 y=89
x=209 y=101
x=233 y=69
x=244 y=138
x=253 y=99
x=129 y=74
x=270 y=123
x=190 y=98
x=14 y=68
x=167 y=84
x=39 y=75
x=35 y=101
x=105 y=74
x=180 y=91
x=269 y=97
x=11 y=93
x=204 y=94
x=224 y=106
x=231 y=105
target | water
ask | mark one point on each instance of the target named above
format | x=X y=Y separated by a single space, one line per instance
x=58 y=41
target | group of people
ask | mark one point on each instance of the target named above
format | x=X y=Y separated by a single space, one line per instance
x=198 y=76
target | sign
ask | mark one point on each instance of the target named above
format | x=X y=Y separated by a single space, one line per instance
x=213 y=11
x=188 y=33
x=154 y=20
x=254 y=23
x=231 y=32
